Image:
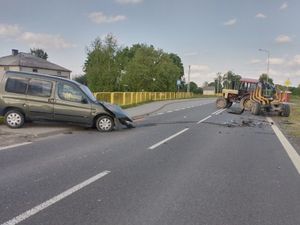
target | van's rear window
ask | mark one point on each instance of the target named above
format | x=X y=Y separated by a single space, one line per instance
x=16 y=86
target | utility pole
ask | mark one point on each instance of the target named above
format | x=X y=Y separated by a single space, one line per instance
x=189 y=74
x=268 y=64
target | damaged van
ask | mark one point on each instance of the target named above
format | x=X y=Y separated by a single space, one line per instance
x=33 y=97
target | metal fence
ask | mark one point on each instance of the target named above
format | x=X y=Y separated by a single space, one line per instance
x=130 y=98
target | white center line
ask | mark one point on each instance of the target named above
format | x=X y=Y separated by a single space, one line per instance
x=220 y=112
x=54 y=200
x=169 y=111
x=167 y=139
x=14 y=146
x=216 y=112
x=292 y=153
x=206 y=118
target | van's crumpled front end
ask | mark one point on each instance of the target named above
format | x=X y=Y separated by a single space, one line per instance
x=119 y=114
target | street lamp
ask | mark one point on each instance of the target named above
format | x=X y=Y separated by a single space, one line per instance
x=189 y=74
x=268 y=64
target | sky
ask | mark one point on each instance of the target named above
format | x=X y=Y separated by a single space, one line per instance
x=210 y=35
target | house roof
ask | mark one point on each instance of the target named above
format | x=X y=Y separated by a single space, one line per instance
x=29 y=60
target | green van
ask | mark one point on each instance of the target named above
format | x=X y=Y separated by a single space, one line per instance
x=32 y=97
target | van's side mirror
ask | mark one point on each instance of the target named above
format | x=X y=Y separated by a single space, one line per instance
x=84 y=101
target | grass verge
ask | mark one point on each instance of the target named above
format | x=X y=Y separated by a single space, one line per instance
x=292 y=124
x=1 y=120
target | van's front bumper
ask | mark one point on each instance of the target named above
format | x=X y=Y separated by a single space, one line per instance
x=117 y=111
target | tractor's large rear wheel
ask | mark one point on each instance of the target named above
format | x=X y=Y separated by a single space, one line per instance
x=246 y=103
x=255 y=109
x=286 y=110
x=221 y=103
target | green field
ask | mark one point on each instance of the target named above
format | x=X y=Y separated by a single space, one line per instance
x=291 y=125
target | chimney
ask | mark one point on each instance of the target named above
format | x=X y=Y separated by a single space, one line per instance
x=15 y=52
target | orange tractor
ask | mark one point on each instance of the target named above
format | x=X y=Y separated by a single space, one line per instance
x=266 y=98
x=239 y=93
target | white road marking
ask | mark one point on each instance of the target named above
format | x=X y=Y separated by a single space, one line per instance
x=292 y=153
x=54 y=200
x=160 y=114
x=182 y=109
x=206 y=118
x=169 y=111
x=168 y=139
x=216 y=111
x=14 y=146
x=220 y=112
x=176 y=109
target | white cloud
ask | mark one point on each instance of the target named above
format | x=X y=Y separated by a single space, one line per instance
x=230 y=22
x=277 y=61
x=255 y=61
x=260 y=16
x=100 y=17
x=129 y=1
x=283 y=6
x=295 y=61
x=41 y=40
x=47 y=41
x=9 y=31
x=281 y=39
x=200 y=68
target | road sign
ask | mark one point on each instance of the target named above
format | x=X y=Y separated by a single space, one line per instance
x=287 y=82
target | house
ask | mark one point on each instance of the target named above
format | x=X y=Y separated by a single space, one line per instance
x=209 y=91
x=20 y=61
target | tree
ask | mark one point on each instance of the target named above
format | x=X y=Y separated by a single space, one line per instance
x=101 y=66
x=81 y=79
x=39 y=53
x=264 y=78
x=149 y=69
x=231 y=80
x=177 y=61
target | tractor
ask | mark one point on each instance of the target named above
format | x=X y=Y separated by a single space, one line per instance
x=266 y=98
x=238 y=94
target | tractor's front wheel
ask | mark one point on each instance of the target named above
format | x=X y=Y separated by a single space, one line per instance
x=255 y=109
x=221 y=103
x=246 y=103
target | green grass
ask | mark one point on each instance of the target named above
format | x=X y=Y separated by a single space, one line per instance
x=1 y=120
x=292 y=124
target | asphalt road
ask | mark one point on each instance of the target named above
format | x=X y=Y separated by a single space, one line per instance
x=183 y=165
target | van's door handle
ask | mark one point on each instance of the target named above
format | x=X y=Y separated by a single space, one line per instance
x=51 y=100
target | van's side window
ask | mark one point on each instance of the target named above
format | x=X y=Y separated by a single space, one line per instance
x=39 y=88
x=16 y=85
x=69 y=93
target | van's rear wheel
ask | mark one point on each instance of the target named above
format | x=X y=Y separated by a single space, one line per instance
x=104 y=123
x=14 y=119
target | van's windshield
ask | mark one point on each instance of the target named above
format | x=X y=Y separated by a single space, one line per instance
x=88 y=92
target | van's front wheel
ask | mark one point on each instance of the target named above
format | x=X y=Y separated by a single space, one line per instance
x=104 y=123
x=14 y=119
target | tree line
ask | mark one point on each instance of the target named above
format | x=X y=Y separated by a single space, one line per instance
x=141 y=67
